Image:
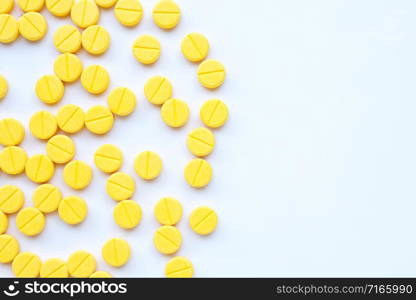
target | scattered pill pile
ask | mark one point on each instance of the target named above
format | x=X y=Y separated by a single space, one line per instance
x=55 y=130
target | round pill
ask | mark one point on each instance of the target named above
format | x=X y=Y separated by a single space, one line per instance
x=157 y=90
x=4 y=87
x=101 y=274
x=166 y=14
x=179 y=267
x=175 y=113
x=120 y=186
x=195 y=47
x=12 y=132
x=116 y=252
x=198 y=173
x=13 y=160
x=99 y=119
x=77 y=174
x=9 y=248
x=128 y=12
x=168 y=211
x=67 y=38
x=148 y=165
x=54 y=268
x=167 y=239
x=203 y=220
x=95 y=40
x=33 y=26
x=26 y=265
x=43 y=125
x=214 y=113
x=39 y=168
x=146 y=49
x=81 y=264
x=30 y=221
x=60 y=149
x=200 y=141
x=95 y=79
x=106 y=3
x=68 y=67
x=122 y=101
x=46 y=198
x=211 y=73
x=11 y=199
x=72 y=210
x=9 y=29
x=59 y=8
x=4 y=222
x=127 y=214
x=31 y=5
x=85 y=13
x=50 y=89
x=70 y=118
x=6 y=6
x=108 y=158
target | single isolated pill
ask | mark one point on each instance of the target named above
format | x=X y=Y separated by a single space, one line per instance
x=54 y=268
x=4 y=87
x=120 y=186
x=211 y=73
x=127 y=214
x=59 y=8
x=200 y=141
x=81 y=264
x=148 y=165
x=168 y=211
x=214 y=113
x=95 y=39
x=198 y=173
x=67 y=38
x=46 y=198
x=6 y=6
x=39 y=168
x=158 y=90
x=121 y=101
x=175 y=113
x=11 y=199
x=32 y=26
x=68 y=67
x=43 y=125
x=166 y=14
x=13 y=160
x=31 y=5
x=146 y=49
x=30 y=221
x=9 y=29
x=85 y=13
x=195 y=47
x=9 y=248
x=4 y=222
x=99 y=119
x=26 y=265
x=116 y=252
x=95 y=79
x=50 y=89
x=71 y=118
x=60 y=149
x=203 y=220
x=72 y=210
x=108 y=158
x=77 y=174
x=12 y=132
x=101 y=274
x=105 y=3
x=179 y=267
x=128 y=12
x=167 y=239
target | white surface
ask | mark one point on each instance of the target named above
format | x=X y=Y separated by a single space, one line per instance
x=314 y=172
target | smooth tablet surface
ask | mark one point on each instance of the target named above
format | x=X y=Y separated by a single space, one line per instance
x=26 y=265
x=72 y=210
x=13 y=160
x=39 y=168
x=203 y=220
x=68 y=67
x=179 y=267
x=120 y=186
x=200 y=141
x=11 y=199
x=31 y=5
x=101 y=274
x=6 y=6
x=54 y=268
x=71 y=118
x=167 y=239
x=50 y=89
x=157 y=90
x=214 y=113
x=146 y=49
x=95 y=79
x=9 y=28
x=9 y=248
x=81 y=264
x=12 y=132
x=4 y=222
x=122 y=101
x=30 y=221
x=59 y=8
x=195 y=47
x=116 y=252
x=148 y=165
x=33 y=26
x=99 y=119
x=67 y=38
x=168 y=211
x=108 y=158
x=175 y=113
x=106 y=3
x=46 y=198
x=128 y=12
x=211 y=73
x=60 y=149
x=43 y=125
x=77 y=174
x=198 y=173
x=127 y=214
x=4 y=87
x=95 y=39
x=166 y=14
x=85 y=13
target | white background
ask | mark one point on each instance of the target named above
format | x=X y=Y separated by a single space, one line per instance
x=314 y=172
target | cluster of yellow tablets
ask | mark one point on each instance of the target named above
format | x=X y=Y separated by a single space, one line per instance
x=70 y=119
